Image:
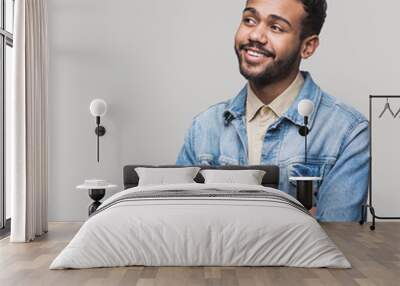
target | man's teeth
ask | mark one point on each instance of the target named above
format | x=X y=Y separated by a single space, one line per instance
x=254 y=54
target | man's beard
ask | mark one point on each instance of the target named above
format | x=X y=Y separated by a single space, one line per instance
x=274 y=72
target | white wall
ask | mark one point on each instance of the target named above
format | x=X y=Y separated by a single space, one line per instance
x=158 y=63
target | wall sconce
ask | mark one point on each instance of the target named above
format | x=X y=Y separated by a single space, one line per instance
x=305 y=109
x=98 y=108
x=305 y=184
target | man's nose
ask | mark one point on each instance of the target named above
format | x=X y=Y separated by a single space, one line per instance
x=259 y=34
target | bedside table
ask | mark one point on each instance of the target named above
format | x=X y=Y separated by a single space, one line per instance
x=305 y=190
x=96 y=193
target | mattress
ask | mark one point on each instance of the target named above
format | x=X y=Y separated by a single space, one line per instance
x=201 y=225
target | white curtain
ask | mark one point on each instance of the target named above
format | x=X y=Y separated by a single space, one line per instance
x=27 y=122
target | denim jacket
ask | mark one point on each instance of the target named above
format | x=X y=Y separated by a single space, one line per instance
x=338 y=148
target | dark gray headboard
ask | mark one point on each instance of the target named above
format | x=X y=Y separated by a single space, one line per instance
x=271 y=177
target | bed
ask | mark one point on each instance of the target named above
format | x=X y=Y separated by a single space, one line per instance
x=201 y=224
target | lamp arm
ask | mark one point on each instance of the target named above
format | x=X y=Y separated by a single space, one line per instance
x=305 y=138
x=98 y=145
x=305 y=149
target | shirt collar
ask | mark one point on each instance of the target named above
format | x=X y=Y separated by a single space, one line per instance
x=237 y=106
x=253 y=104
x=280 y=104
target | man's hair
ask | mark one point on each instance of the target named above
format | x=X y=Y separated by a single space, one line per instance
x=315 y=18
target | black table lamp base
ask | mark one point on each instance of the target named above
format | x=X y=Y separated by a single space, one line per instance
x=305 y=193
x=96 y=195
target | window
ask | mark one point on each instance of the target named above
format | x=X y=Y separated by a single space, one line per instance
x=6 y=60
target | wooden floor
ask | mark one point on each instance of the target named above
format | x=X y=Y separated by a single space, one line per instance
x=375 y=257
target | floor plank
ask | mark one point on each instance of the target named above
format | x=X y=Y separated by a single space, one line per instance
x=374 y=255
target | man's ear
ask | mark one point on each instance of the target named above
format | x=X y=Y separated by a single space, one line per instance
x=309 y=46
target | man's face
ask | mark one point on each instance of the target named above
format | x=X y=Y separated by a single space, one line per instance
x=267 y=42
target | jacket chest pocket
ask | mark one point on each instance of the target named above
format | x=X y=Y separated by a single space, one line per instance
x=205 y=159
x=211 y=160
x=225 y=160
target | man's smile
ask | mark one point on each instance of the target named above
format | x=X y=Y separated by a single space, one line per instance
x=254 y=56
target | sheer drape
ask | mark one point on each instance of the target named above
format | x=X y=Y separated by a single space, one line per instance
x=27 y=122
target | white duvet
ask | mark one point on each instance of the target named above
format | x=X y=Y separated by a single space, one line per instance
x=200 y=231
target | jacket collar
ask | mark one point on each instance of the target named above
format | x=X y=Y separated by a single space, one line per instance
x=310 y=90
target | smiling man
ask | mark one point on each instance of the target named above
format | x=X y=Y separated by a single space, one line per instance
x=260 y=125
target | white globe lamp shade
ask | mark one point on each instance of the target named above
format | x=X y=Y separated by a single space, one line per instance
x=98 y=107
x=305 y=107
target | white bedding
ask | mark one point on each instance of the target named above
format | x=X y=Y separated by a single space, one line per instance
x=200 y=231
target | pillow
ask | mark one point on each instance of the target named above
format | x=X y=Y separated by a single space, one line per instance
x=249 y=177
x=162 y=176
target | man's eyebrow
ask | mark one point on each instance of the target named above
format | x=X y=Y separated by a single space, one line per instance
x=272 y=16
x=279 y=18
x=250 y=9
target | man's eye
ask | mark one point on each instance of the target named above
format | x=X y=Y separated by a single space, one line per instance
x=249 y=21
x=276 y=28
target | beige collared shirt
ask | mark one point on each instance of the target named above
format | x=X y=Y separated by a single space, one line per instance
x=260 y=116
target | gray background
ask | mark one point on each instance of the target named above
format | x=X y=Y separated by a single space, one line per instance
x=158 y=63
